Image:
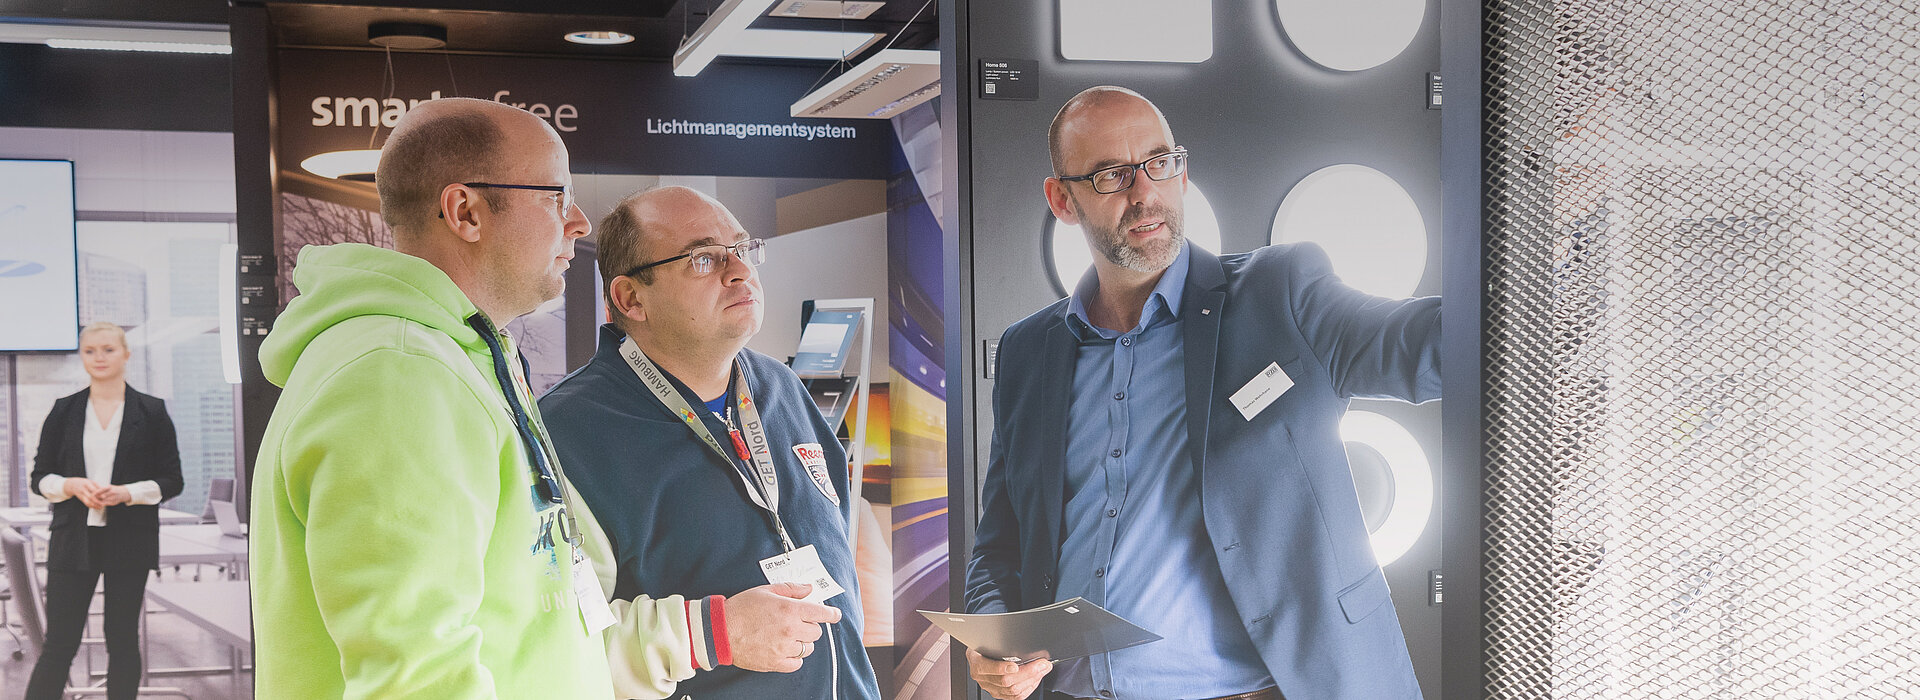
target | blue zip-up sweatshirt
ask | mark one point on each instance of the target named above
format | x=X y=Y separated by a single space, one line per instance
x=680 y=520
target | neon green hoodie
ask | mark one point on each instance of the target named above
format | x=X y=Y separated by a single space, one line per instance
x=396 y=547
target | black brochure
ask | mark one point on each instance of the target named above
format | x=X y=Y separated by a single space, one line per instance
x=1065 y=630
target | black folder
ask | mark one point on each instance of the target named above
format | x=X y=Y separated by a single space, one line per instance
x=1065 y=630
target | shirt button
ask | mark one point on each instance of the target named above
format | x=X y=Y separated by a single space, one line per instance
x=1113 y=512
x=1119 y=396
x=1115 y=454
x=1127 y=341
x=1100 y=573
x=1106 y=693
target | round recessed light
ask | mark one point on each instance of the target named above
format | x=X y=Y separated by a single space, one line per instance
x=407 y=35
x=1351 y=35
x=1365 y=221
x=1409 y=495
x=599 y=38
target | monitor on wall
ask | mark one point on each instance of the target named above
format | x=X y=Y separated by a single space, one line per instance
x=39 y=273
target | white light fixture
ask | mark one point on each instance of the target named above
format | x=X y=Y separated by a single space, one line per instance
x=600 y=38
x=797 y=43
x=887 y=84
x=229 y=292
x=716 y=33
x=356 y=165
x=1072 y=257
x=1351 y=35
x=150 y=46
x=1412 y=499
x=1170 y=31
x=210 y=39
x=825 y=9
x=1365 y=221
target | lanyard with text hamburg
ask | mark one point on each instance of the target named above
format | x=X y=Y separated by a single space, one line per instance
x=752 y=448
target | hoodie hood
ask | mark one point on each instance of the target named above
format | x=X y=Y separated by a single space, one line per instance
x=349 y=280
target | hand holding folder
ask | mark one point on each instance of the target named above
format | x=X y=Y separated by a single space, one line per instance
x=1068 y=629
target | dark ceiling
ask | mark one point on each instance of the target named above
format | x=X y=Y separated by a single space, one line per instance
x=494 y=26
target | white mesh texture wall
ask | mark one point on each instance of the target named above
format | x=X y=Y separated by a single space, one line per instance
x=1703 y=349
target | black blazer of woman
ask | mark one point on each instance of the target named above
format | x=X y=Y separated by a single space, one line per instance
x=148 y=450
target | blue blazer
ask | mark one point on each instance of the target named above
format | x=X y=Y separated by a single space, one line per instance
x=1277 y=495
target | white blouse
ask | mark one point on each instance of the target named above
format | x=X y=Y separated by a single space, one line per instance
x=99 y=445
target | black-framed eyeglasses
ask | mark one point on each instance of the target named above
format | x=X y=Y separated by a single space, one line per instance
x=702 y=261
x=566 y=192
x=1120 y=177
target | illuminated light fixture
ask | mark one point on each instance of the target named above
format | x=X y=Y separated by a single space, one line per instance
x=600 y=38
x=1351 y=35
x=229 y=311
x=1365 y=221
x=1166 y=31
x=1072 y=257
x=796 y=43
x=824 y=9
x=1412 y=499
x=413 y=36
x=153 y=46
x=880 y=87
x=715 y=34
x=357 y=165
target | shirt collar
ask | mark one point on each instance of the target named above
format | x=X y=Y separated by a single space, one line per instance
x=1169 y=291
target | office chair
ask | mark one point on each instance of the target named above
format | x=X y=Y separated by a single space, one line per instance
x=29 y=601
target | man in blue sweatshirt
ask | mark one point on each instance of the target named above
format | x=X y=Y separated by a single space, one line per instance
x=718 y=490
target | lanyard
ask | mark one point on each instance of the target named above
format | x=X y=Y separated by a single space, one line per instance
x=751 y=449
x=539 y=452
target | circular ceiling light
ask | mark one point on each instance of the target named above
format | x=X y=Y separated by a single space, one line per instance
x=357 y=165
x=407 y=35
x=1071 y=257
x=600 y=38
x=1408 y=497
x=1351 y=35
x=1365 y=221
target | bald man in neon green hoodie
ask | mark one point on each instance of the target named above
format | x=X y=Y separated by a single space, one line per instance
x=412 y=535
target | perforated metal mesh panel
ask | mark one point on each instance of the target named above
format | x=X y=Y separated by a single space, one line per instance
x=1703 y=349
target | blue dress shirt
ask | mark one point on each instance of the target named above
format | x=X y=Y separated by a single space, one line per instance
x=1135 y=543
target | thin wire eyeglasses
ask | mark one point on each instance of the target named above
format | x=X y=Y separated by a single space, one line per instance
x=566 y=193
x=708 y=258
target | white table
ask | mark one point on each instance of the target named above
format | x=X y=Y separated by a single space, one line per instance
x=220 y=607
x=207 y=537
x=186 y=550
x=25 y=517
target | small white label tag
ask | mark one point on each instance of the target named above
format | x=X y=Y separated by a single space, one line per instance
x=586 y=591
x=1261 y=391
x=802 y=566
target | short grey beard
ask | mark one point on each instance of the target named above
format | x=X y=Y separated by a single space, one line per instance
x=1111 y=247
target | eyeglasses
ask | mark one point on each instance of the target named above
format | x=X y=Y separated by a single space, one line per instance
x=1120 y=177
x=566 y=192
x=707 y=258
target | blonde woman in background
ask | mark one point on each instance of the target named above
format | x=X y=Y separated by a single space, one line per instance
x=108 y=456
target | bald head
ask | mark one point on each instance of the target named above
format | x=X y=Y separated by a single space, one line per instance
x=1084 y=115
x=446 y=141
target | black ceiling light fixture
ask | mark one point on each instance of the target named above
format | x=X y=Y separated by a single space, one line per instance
x=359 y=165
x=413 y=36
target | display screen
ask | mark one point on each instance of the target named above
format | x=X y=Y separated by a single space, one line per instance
x=39 y=289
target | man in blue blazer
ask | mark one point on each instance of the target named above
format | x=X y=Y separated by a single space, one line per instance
x=1166 y=444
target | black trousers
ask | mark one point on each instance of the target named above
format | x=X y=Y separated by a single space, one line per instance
x=69 y=594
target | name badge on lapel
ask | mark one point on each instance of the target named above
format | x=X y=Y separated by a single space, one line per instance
x=1259 y=393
